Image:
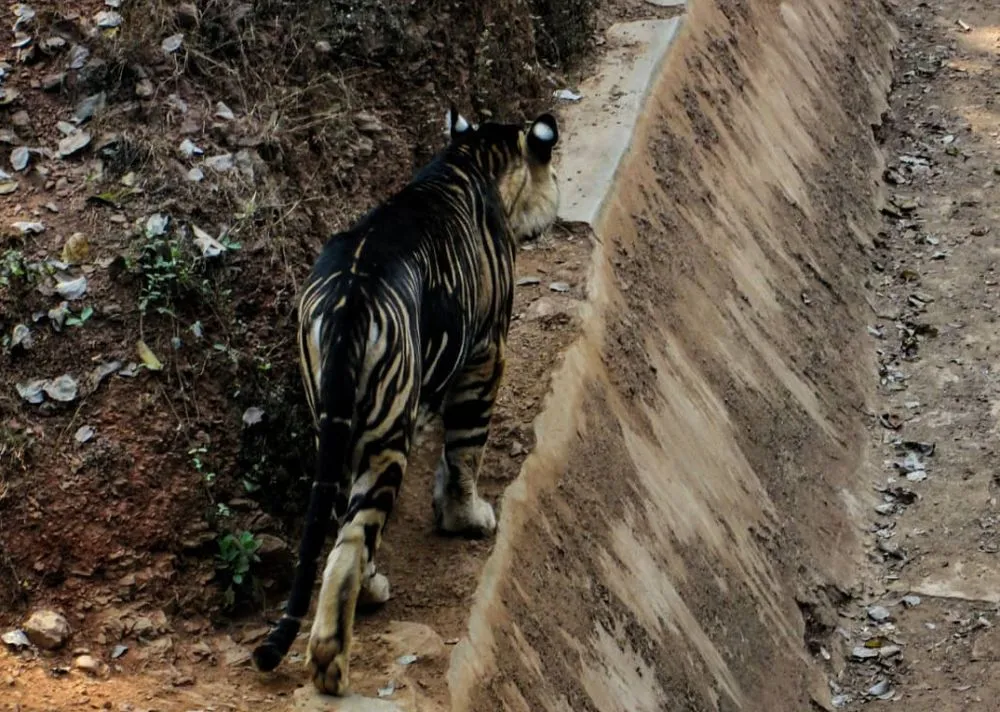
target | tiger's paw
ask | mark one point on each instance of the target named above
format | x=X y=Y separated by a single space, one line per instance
x=473 y=518
x=374 y=590
x=329 y=665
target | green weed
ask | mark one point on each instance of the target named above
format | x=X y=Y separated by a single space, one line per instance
x=236 y=557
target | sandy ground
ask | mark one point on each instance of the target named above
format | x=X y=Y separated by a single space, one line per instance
x=930 y=614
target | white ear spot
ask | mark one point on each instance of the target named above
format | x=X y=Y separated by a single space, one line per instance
x=542 y=131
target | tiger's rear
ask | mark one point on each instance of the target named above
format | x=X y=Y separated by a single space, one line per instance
x=408 y=308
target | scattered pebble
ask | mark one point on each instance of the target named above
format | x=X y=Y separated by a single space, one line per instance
x=72 y=289
x=88 y=664
x=19 y=158
x=879 y=614
x=189 y=149
x=63 y=389
x=16 y=639
x=525 y=281
x=911 y=601
x=21 y=337
x=83 y=434
x=224 y=112
x=567 y=95
x=252 y=416
x=221 y=163
x=559 y=287
x=74 y=144
x=408 y=659
x=172 y=43
x=156 y=225
x=29 y=228
x=860 y=652
x=107 y=19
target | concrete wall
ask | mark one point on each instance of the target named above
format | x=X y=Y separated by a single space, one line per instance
x=685 y=522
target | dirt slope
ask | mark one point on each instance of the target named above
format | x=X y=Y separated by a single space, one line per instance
x=695 y=483
x=933 y=290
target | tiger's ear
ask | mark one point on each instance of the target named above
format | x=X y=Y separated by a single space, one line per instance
x=542 y=138
x=454 y=123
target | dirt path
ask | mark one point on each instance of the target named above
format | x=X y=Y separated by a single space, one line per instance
x=930 y=618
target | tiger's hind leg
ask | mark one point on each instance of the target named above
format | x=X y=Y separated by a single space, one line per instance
x=350 y=577
x=468 y=409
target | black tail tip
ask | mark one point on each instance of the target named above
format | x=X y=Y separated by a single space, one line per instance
x=266 y=656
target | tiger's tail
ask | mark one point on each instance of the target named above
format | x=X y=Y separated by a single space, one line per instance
x=336 y=392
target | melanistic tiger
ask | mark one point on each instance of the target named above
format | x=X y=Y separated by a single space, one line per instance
x=409 y=309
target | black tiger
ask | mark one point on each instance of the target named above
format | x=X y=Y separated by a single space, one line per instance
x=409 y=309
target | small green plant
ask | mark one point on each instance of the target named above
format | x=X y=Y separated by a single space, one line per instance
x=81 y=318
x=237 y=555
x=197 y=460
x=12 y=267
x=169 y=273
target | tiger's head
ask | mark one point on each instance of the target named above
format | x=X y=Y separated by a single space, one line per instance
x=519 y=159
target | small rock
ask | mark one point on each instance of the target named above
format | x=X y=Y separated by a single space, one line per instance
x=21 y=337
x=29 y=228
x=107 y=19
x=172 y=43
x=63 y=389
x=19 y=158
x=189 y=149
x=860 y=652
x=567 y=95
x=252 y=416
x=83 y=434
x=47 y=630
x=879 y=614
x=224 y=112
x=78 y=55
x=8 y=186
x=72 y=289
x=144 y=89
x=52 y=44
x=889 y=651
x=886 y=508
x=90 y=106
x=16 y=639
x=407 y=659
x=559 y=287
x=156 y=225
x=32 y=391
x=911 y=601
x=526 y=281
x=880 y=689
x=221 y=163
x=53 y=82
x=74 y=144
x=88 y=664
x=195 y=175
x=545 y=308
x=118 y=651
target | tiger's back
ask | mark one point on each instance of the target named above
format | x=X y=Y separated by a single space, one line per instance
x=410 y=306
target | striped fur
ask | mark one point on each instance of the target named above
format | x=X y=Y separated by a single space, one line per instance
x=409 y=308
